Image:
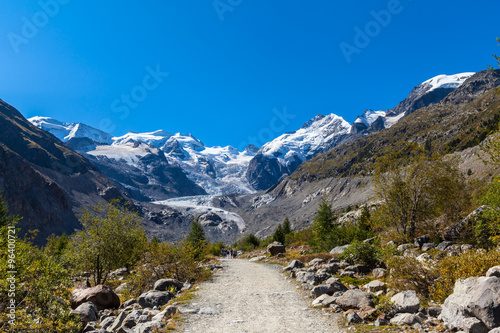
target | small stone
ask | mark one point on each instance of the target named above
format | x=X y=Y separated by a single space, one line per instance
x=209 y=311
x=353 y=318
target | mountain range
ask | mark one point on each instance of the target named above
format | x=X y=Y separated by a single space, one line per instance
x=172 y=177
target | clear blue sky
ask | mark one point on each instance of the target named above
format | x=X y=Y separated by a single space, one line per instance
x=229 y=67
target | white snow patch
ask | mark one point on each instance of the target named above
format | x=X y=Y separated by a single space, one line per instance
x=447 y=81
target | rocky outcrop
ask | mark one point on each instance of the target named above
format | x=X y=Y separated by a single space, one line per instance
x=102 y=296
x=276 y=248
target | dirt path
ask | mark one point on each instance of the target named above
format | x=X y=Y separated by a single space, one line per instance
x=254 y=298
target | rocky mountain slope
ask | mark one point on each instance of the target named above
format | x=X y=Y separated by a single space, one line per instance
x=43 y=180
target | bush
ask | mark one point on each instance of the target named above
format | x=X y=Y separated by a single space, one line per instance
x=469 y=264
x=42 y=291
x=407 y=273
x=248 y=243
x=111 y=238
x=176 y=261
x=216 y=249
x=362 y=253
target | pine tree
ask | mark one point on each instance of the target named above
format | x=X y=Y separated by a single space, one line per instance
x=279 y=236
x=196 y=239
x=323 y=227
x=287 y=228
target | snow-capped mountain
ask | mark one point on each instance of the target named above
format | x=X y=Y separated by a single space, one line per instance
x=428 y=92
x=218 y=170
x=284 y=154
x=68 y=131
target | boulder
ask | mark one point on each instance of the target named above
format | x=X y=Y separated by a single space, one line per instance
x=474 y=325
x=444 y=245
x=353 y=318
x=454 y=309
x=166 y=284
x=129 y=302
x=293 y=264
x=485 y=302
x=154 y=298
x=118 y=322
x=168 y=312
x=427 y=246
x=493 y=271
x=339 y=249
x=107 y=322
x=332 y=268
x=379 y=273
x=336 y=284
x=406 y=319
x=433 y=311
x=275 y=248
x=381 y=322
x=324 y=300
x=407 y=246
x=149 y=327
x=102 y=296
x=88 y=311
x=374 y=286
x=322 y=289
x=359 y=269
x=307 y=277
x=354 y=299
x=406 y=302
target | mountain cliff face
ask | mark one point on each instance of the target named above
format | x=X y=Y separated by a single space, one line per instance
x=44 y=181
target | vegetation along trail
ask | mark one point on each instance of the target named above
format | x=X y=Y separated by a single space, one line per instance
x=250 y=297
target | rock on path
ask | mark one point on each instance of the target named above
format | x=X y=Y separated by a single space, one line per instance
x=256 y=298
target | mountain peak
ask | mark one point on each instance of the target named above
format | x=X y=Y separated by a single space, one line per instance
x=446 y=81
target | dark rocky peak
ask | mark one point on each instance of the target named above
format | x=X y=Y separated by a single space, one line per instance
x=474 y=87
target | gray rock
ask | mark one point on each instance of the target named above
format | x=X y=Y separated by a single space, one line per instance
x=427 y=246
x=209 y=311
x=360 y=269
x=322 y=289
x=407 y=246
x=454 y=309
x=88 y=310
x=166 y=284
x=493 y=271
x=148 y=327
x=276 y=247
x=379 y=273
x=444 y=245
x=354 y=299
x=308 y=277
x=129 y=303
x=406 y=319
x=347 y=273
x=485 y=302
x=336 y=284
x=293 y=264
x=374 y=286
x=324 y=300
x=381 y=322
x=332 y=268
x=102 y=296
x=107 y=322
x=406 y=302
x=132 y=318
x=353 y=318
x=154 y=298
x=495 y=330
x=165 y=314
x=474 y=325
x=339 y=249
x=118 y=321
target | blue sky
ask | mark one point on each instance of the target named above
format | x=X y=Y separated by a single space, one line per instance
x=231 y=71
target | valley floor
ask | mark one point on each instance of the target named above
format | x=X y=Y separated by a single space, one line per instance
x=253 y=297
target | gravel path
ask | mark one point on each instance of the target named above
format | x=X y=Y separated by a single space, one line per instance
x=252 y=297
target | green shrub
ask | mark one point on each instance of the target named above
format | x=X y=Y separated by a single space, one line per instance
x=215 y=249
x=362 y=253
x=248 y=243
x=408 y=273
